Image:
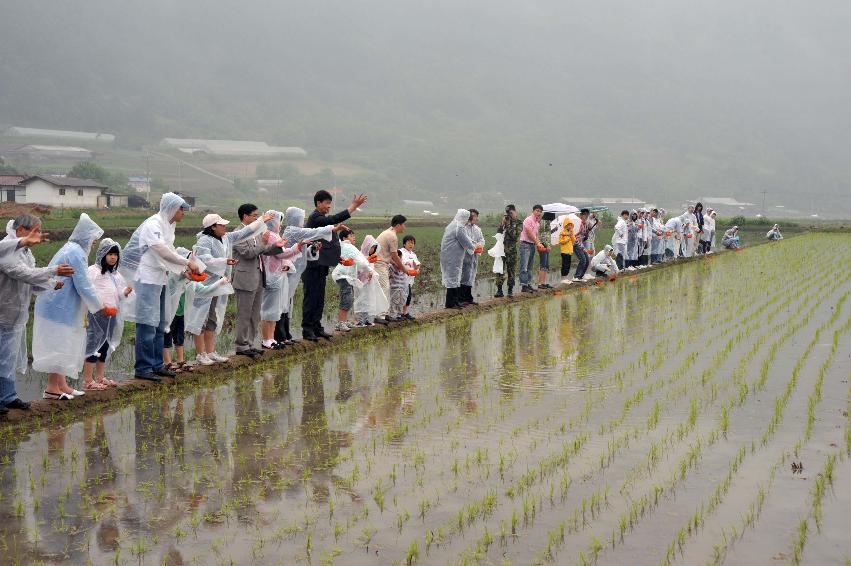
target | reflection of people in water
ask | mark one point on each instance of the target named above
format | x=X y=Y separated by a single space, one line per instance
x=458 y=366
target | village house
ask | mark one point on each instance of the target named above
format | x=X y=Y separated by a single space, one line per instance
x=65 y=192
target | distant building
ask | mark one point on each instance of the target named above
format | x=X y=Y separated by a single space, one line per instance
x=59 y=134
x=64 y=192
x=141 y=183
x=418 y=203
x=234 y=148
x=113 y=200
x=43 y=152
x=11 y=189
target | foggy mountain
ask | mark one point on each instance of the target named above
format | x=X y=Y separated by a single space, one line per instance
x=661 y=99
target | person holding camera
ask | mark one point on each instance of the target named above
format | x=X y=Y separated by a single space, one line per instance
x=510 y=229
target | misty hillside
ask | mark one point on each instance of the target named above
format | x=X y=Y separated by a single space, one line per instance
x=662 y=99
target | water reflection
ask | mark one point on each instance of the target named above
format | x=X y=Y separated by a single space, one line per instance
x=174 y=480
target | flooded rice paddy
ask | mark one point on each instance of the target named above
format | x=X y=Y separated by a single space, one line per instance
x=658 y=419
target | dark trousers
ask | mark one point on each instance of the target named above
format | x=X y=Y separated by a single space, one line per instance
x=313 y=303
x=453 y=297
x=582 y=258
x=282 y=328
x=565 y=264
x=619 y=261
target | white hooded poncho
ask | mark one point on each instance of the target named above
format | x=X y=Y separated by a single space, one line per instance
x=59 y=336
x=455 y=244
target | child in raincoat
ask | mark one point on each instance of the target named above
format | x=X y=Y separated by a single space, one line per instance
x=370 y=299
x=103 y=332
x=411 y=263
x=59 y=338
x=276 y=290
x=566 y=241
x=352 y=264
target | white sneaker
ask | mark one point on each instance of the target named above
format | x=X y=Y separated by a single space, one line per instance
x=351 y=325
x=576 y=279
x=216 y=357
x=341 y=327
x=566 y=281
x=588 y=277
x=204 y=359
x=630 y=268
x=77 y=393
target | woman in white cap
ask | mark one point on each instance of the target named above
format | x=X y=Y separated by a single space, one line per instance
x=204 y=316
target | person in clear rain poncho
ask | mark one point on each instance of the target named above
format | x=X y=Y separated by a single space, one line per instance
x=470 y=266
x=276 y=293
x=454 y=245
x=148 y=258
x=204 y=317
x=294 y=231
x=103 y=332
x=603 y=264
x=59 y=337
x=19 y=280
x=674 y=236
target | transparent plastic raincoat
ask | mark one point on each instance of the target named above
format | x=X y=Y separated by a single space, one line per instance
x=102 y=328
x=19 y=280
x=276 y=293
x=470 y=265
x=672 y=243
x=295 y=232
x=58 y=333
x=160 y=258
x=632 y=237
x=214 y=253
x=455 y=244
x=370 y=300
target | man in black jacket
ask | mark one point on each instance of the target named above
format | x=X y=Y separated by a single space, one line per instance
x=321 y=257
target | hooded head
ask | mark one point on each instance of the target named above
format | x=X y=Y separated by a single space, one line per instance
x=462 y=216
x=10 y=229
x=85 y=232
x=275 y=223
x=633 y=215
x=368 y=242
x=608 y=249
x=294 y=216
x=170 y=203
x=107 y=246
x=776 y=227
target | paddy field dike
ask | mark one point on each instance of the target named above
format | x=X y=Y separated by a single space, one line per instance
x=696 y=414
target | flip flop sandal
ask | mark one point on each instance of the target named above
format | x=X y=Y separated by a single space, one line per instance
x=56 y=396
x=109 y=382
x=95 y=386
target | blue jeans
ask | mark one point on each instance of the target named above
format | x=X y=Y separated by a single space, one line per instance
x=582 y=257
x=150 y=339
x=527 y=260
x=10 y=343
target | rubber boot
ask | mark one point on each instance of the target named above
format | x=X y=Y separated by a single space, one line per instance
x=280 y=329
x=510 y=290
x=450 y=298
x=498 y=292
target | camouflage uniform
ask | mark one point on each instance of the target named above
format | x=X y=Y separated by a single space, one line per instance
x=511 y=230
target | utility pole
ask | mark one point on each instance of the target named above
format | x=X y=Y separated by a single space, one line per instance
x=763 y=201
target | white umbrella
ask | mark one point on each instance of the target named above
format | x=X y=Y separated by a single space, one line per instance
x=559 y=208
